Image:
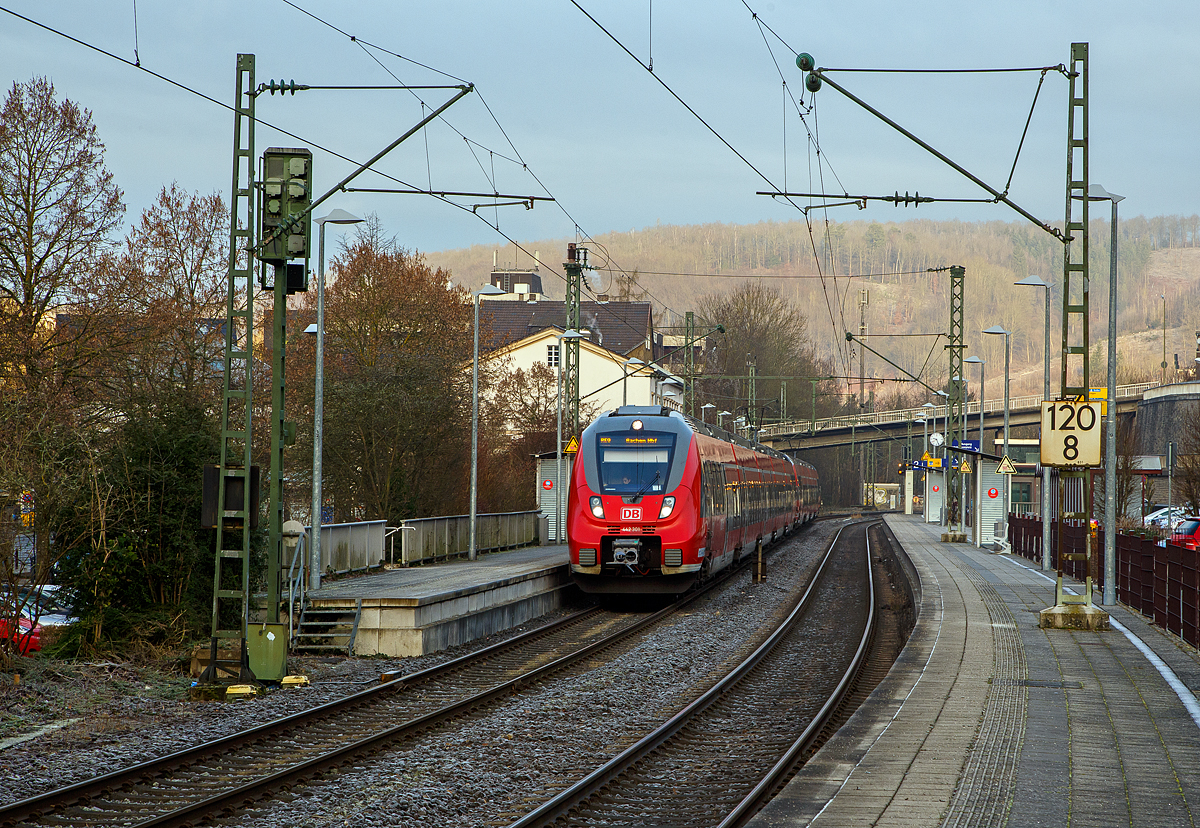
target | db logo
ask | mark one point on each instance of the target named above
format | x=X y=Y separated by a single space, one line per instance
x=547 y=484
x=628 y=513
x=993 y=492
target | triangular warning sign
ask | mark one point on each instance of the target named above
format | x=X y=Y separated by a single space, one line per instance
x=965 y=468
x=926 y=458
x=1006 y=466
x=572 y=446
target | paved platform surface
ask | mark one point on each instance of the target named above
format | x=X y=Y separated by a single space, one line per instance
x=987 y=720
x=419 y=585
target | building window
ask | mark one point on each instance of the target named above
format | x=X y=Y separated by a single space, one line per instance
x=552 y=355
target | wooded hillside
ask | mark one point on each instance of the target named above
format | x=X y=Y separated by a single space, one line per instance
x=826 y=269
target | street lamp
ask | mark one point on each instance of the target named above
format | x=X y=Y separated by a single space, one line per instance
x=1035 y=281
x=978 y=528
x=925 y=423
x=704 y=408
x=721 y=415
x=997 y=329
x=314 y=567
x=1098 y=193
x=558 y=482
x=637 y=364
x=477 y=300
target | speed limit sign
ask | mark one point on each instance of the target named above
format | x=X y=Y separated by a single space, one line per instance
x=1070 y=433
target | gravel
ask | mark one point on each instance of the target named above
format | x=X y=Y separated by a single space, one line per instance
x=484 y=770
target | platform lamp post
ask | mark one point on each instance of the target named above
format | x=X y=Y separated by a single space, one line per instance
x=314 y=559
x=721 y=415
x=558 y=481
x=1098 y=193
x=637 y=364
x=1036 y=281
x=703 y=411
x=978 y=528
x=477 y=298
x=998 y=330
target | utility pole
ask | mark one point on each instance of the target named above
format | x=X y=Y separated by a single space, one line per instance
x=956 y=401
x=863 y=299
x=752 y=400
x=1071 y=452
x=689 y=360
x=574 y=265
x=236 y=503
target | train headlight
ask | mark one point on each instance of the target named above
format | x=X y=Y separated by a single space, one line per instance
x=668 y=505
x=596 y=505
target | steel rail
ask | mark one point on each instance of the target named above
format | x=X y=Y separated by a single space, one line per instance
x=88 y=788
x=774 y=778
x=558 y=807
x=234 y=798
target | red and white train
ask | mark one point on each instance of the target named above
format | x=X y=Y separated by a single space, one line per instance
x=658 y=501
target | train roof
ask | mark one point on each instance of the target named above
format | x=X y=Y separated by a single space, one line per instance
x=697 y=426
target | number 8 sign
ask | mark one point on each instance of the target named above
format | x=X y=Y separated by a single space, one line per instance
x=1070 y=433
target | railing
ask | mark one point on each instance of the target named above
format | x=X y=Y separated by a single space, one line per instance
x=297 y=584
x=1025 y=509
x=431 y=539
x=910 y=414
x=1161 y=582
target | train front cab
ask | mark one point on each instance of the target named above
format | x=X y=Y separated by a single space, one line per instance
x=633 y=516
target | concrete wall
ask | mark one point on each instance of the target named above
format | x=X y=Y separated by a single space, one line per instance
x=1160 y=415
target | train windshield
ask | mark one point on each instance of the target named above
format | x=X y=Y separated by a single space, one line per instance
x=635 y=463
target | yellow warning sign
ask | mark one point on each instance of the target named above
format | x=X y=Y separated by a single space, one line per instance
x=1006 y=466
x=572 y=446
x=926 y=458
x=965 y=468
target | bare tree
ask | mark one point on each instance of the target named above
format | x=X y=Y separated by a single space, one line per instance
x=760 y=327
x=397 y=398
x=61 y=300
x=1187 y=473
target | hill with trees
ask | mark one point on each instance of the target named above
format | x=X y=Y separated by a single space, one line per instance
x=825 y=267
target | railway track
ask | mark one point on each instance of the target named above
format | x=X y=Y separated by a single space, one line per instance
x=721 y=757
x=226 y=775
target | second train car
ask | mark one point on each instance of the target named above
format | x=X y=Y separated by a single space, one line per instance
x=658 y=501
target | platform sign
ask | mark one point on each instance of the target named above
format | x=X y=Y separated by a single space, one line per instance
x=1070 y=433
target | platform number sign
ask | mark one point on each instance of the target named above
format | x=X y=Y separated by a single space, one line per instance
x=1070 y=433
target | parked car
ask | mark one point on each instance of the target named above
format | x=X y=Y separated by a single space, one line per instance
x=47 y=607
x=28 y=638
x=1187 y=533
x=1158 y=518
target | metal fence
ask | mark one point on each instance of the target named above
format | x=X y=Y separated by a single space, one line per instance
x=429 y=539
x=347 y=547
x=910 y=414
x=1161 y=582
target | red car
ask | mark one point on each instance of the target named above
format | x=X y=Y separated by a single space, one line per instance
x=1187 y=533
x=27 y=640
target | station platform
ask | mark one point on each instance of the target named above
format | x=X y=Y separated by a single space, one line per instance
x=987 y=720
x=422 y=609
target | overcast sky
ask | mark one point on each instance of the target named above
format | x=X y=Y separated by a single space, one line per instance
x=602 y=135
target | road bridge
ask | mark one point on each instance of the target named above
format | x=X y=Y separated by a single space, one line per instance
x=893 y=425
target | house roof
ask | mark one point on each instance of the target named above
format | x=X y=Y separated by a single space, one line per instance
x=617 y=326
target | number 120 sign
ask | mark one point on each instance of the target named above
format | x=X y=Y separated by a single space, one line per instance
x=1070 y=433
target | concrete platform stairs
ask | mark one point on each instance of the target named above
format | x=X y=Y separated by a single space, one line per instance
x=327 y=630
